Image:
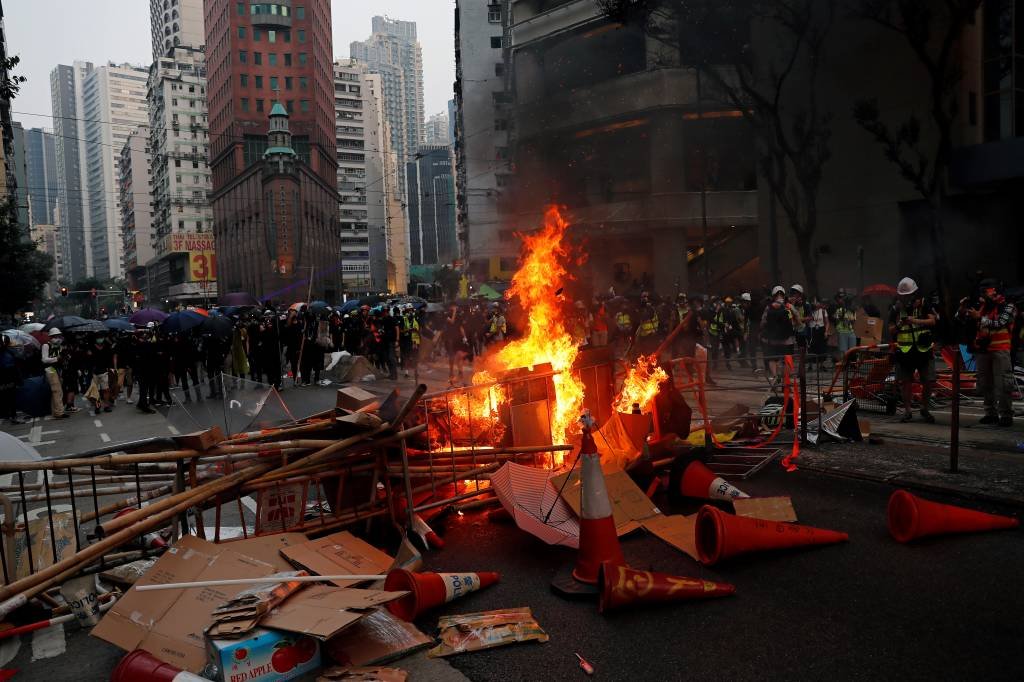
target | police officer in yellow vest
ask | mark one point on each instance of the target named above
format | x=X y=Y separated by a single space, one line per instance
x=409 y=339
x=911 y=321
x=646 y=333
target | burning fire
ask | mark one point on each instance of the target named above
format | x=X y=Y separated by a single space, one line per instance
x=542 y=273
x=474 y=417
x=641 y=385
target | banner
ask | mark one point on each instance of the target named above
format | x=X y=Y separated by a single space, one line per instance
x=202 y=266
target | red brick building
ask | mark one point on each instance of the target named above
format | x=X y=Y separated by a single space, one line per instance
x=275 y=205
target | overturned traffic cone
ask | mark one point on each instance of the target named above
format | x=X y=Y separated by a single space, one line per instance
x=599 y=541
x=430 y=590
x=911 y=518
x=149 y=540
x=430 y=539
x=720 y=535
x=622 y=586
x=141 y=666
x=702 y=483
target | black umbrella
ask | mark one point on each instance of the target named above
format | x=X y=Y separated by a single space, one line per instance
x=182 y=321
x=85 y=327
x=65 y=321
x=219 y=327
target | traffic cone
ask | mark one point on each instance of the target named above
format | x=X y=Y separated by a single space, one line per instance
x=141 y=666
x=430 y=590
x=149 y=540
x=599 y=542
x=622 y=586
x=700 y=482
x=911 y=518
x=720 y=535
x=430 y=539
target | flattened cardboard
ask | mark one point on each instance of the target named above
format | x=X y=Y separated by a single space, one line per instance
x=169 y=623
x=366 y=674
x=339 y=554
x=376 y=639
x=42 y=545
x=677 y=530
x=630 y=506
x=767 y=508
x=323 y=611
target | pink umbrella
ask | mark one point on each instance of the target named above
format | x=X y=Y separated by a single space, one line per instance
x=528 y=494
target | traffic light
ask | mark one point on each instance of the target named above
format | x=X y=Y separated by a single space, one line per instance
x=63 y=291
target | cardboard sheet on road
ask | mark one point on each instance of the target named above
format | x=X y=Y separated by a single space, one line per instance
x=323 y=611
x=677 y=530
x=376 y=639
x=169 y=624
x=767 y=508
x=338 y=554
x=629 y=504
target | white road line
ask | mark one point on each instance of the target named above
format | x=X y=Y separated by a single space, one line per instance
x=45 y=442
x=48 y=642
x=35 y=433
x=249 y=503
x=173 y=430
x=98 y=423
x=105 y=438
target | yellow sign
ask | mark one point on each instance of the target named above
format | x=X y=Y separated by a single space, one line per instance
x=183 y=242
x=202 y=266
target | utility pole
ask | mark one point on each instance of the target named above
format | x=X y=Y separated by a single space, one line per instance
x=704 y=190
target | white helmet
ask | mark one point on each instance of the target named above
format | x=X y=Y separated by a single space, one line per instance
x=745 y=297
x=797 y=288
x=55 y=332
x=151 y=325
x=778 y=290
x=906 y=287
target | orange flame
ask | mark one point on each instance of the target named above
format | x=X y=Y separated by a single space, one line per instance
x=542 y=272
x=474 y=417
x=641 y=385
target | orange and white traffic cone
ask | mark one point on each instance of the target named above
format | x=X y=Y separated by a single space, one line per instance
x=599 y=541
x=911 y=517
x=623 y=586
x=700 y=482
x=429 y=590
x=430 y=539
x=149 y=540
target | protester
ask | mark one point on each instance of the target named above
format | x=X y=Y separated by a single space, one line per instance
x=10 y=379
x=778 y=331
x=410 y=340
x=599 y=335
x=124 y=359
x=456 y=343
x=911 y=321
x=844 y=317
x=144 y=369
x=51 y=355
x=994 y=317
x=102 y=362
x=270 y=350
x=186 y=357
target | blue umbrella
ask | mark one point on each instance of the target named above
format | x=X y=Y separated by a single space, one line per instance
x=118 y=324
x=182 y=321
x=317 y=307
x=348 y=306
x=147 y=315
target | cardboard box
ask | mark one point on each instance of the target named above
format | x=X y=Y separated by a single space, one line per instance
x=868 y=329
x=351 y=398
x=375 y=640
x=169 y=624
x=677 y=530
x=323 y=611
x=40 y=543
x=200 y=440
x=630 y=506
x=264 y=656
x=339 y=554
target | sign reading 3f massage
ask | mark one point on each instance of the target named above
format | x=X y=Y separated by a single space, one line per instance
x=202 y=256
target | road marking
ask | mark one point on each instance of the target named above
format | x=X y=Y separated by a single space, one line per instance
x=249 y=503
x=48 y=642
x=98 y=423
x=173 y=430
x=35 y=433
x=45 y=442
x=105 y=438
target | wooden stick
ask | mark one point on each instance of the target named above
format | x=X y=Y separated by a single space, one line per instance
x=258 y=581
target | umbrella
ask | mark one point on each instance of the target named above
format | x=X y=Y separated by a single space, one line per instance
x=348 y=306
x=879 y=290
x=199 y=311
x=32 y=327
x=65 y=322
x=488 y=292
x=435 y=308
x=317 y=307
x=118 y=324
x=219 y=327
x=182 y=321
x=20 y=338
x=527 y=494
x=238 y=298
x=85 y=327
x=12 y=449
x=147 y=315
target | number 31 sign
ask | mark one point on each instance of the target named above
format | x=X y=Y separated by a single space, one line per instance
x=202 y=266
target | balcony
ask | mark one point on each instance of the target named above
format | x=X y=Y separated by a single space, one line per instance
x=272 y=15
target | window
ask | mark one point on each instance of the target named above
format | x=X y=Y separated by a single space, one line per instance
x=273 y=83
x=257 y=34
x=304 y=105
x=240 y=8
x=303 y=83
x=300 y=12
x=287 y=58
x=272 y=58
x=259 y=105
x=290 y=105
x=286 y=36
x=502 y=180
x=495 y=41
x=243 y=80
x=257 y=57
x=177 y=163
x=243 y=57
x=302 y=59
x=241 y=32
x=271 y=36
x=501 y=153
x=245 y=104
x=287 y=82
x=494 y=14
x=195 y=164
x=259 y=82
x=499 y=69
x=181 y=225
x=302 y=35
x=501 y=124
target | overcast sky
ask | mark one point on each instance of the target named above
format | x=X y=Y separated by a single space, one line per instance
x=45 y=33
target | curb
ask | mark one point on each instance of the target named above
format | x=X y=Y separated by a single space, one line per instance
x=1005 y=448
x=964 y=493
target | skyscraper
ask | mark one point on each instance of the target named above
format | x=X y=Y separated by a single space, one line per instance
x=136 y=220
x=175 y=22
x=359 y=164
x=66 y=87
x=272 y=235
x=43 y=184
x=393 y=52
x=432 y=207
x=114 y=104
x=437 y=129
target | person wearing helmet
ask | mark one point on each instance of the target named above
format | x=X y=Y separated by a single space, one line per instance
x=646 y=340
x=911 y=323
x=994 y=317
x=844 y=317
x=748 y=340
x=802 y=314
x=51 y=356
x=778 y=331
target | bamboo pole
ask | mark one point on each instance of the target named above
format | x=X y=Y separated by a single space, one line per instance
x=259 y=581
x=122 y=504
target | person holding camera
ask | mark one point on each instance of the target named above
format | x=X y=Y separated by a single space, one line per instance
x=994 y=318
x=911 y=324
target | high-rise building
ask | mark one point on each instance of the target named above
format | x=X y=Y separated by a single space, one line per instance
x=274 y=228
x=393 y=51
x=182 y=266
x=437 y=130
x=42 y=174
x=114 y=104
x=134 y=196
x=18 y=169
x=6 y=130
x=66 y=89
x=175 y=22
x=47 y=239
x=432 y=239
x=389 y=244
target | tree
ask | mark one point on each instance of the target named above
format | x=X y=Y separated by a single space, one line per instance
x=775 y=86
x=921 y=149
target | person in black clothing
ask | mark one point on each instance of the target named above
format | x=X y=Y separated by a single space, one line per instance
x=186 y=355
x=161 y=390
x=353 y=333
x=292 y=340
x=10 y=379
x=456 y=342
x=213 y=352
x=255 y=351
x=102 y=362
x=144 y=367
x=312 y=354
x=270 y=350
x=389 y=339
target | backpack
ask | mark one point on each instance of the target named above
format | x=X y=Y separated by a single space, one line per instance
x=778 y=323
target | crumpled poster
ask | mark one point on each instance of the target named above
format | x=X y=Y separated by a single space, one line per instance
x=486 y=630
